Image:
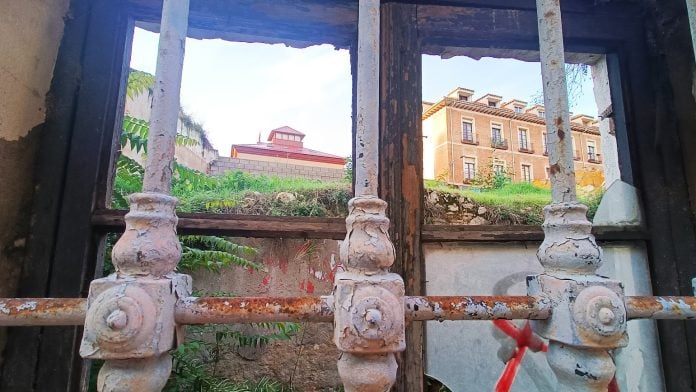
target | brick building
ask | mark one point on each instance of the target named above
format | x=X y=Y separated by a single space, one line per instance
x=463 y=136
x=283 y=155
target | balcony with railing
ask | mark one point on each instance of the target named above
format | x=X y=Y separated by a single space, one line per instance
x=470 y=139
x=527 y=148
x=593 y=157
x=500 y=144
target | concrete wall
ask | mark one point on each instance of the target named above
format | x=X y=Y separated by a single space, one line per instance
x=30 y=34
x=275 y=169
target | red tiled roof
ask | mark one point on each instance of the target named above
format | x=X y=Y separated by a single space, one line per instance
x=290 y=152
x=501 y=112
x=285 y=129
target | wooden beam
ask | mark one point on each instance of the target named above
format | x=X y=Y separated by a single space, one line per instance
x=104 y=62
x=495 y=233
x=335 y=228
x=295 y=23
x=654 y=128
x=239 y=225
x=22 y=348
x=401 y=166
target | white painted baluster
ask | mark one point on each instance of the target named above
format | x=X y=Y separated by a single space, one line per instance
x=589 y=315
x=130 y=319
x=369 y=301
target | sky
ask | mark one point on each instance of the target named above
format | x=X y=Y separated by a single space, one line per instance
x=239 y=90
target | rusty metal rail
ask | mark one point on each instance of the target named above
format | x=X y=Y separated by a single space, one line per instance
x=221 y=310
x=42 y=311
x=664 y=308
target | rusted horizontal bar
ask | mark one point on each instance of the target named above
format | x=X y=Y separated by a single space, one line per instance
x=221 y=310
x=42 y=311
x=663 y=308
x=335 y=228
x=476 y=308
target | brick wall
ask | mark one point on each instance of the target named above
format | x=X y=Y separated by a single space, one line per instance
x=274 y=169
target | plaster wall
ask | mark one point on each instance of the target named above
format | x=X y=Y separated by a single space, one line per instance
x=30 y=34
x=501 y=269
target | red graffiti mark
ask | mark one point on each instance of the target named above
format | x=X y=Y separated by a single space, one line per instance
x=284 y=265
x=266 y=280
x=308 y=288
x=613 y=385
x=525 y=338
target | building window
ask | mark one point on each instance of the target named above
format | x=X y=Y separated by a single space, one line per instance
x=524 y=140
x=576 y=152
x=545 y=142
x=467 y=132
x=542 y=114
x=518 y=109
x=469 y=169
x=526 y=173
x=492 y=104
x=497 y=140
x=463 y=97
x=592 y=155
x=499 y=167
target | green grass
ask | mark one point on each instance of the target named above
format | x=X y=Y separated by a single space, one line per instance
x=241 y=193
x=515 y=202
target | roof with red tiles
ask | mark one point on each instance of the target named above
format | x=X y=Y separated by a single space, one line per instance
x=287 y=130
x=288 y=152
x=501 y=112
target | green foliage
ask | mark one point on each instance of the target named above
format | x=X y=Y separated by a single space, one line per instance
x=348 y=169
x=196 y=361
x=488 y=178
x=135 y=132
x=139 y=82
x=128 y=180
x=213 y=253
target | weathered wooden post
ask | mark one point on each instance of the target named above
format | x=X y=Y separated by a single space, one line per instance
x=368 y=300
x=130 y=320
x=589 y=315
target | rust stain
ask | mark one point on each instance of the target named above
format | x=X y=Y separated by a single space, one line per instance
x=554 y=169
x=549 y=14
x=43 y=311
x=661 y=307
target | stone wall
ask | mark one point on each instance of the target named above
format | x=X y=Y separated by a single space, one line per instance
x=274 y=169
x=30 y=34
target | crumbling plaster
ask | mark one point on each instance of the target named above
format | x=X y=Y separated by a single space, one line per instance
x=30 y=34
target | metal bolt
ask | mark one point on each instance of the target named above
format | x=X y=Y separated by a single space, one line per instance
x=117 y=320
x=606 y=316
x=373 y=316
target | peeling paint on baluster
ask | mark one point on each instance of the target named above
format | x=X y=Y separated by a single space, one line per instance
x=369 y=316
x=588 y=315
x=130 y=319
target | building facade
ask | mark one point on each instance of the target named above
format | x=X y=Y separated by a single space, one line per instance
x=465 y=138
x=282 y=155
x=198 y=155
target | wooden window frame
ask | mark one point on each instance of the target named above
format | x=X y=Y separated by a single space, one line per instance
x=76 y=156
